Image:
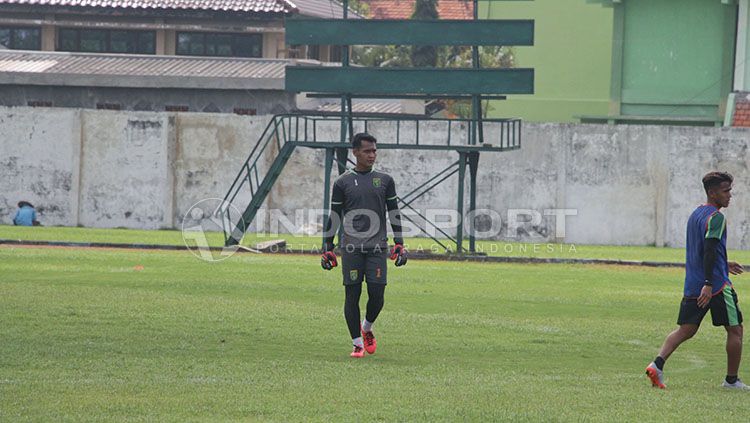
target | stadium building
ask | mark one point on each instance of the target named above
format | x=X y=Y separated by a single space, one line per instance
x=168 y=55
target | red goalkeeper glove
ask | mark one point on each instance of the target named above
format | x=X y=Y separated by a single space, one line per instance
x=398 y=255
x=328 y=260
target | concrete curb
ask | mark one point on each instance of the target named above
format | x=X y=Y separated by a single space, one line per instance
x=94 y=245
x=412 y=256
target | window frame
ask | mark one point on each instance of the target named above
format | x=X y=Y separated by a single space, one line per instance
x=107 y=41
x=12 y=38
x=205 y=40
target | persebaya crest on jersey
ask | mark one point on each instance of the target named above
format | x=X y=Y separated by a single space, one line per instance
x=353 y=275
x=376 y=182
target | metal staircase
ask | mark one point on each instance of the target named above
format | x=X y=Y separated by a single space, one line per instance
x=285 y=132
x=248 y=187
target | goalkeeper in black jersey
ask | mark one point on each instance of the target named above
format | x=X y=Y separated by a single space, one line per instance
x=361 y=199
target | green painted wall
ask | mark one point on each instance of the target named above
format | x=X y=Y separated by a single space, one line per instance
x=674 y=57
x=744 y=44
x=572 y=58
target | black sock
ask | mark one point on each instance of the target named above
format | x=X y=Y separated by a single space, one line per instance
x=659 y=363
x=731 y=379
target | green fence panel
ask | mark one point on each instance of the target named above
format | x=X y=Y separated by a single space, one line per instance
x=410 y=32
x=388 y=81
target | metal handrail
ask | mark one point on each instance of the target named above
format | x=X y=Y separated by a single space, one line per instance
x=246 y=163
x=250 y=168
x=508 y=133
x=304 y=128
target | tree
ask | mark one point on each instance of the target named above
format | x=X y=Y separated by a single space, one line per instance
x=422 y=56
x=360 y=7
x=460 y=57
x=432 y=56
x=381 y=56
x=425 y=9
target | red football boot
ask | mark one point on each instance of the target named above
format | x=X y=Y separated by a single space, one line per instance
x=357 y=352
x=656 y=376
x=369 y=340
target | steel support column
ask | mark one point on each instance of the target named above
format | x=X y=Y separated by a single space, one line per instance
x=327 y=187
x=477 y=132
x=460 y=206
x=473 y=168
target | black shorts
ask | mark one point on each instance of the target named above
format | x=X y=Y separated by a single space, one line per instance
x=724 y=307
x=370 y=266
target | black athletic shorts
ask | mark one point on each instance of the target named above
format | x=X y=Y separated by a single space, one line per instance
x=371 y=266
x=724 y=309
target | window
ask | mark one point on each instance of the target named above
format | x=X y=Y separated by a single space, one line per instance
x=295 y=51
x=108 y=106
x=92 y=40
x=138 y=42
x=106 y=41
x=39 y=103
x=171 y=108
x=21 y=38
x=336 y=54
x=313 y=52
x=215 y=44
x=244 y=111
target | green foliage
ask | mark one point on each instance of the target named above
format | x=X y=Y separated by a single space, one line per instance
x=461 y=57
x=424 y=56
x=436 y=56
x=425 y=9
x=360 y=7
x=489 y=57
x=381 y=56
x=445 y=57
x=86 y=337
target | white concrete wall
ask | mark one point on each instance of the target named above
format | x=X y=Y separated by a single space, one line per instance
x=630 y=185
x=696 y=150
x=209 y=150
x=126 y=175
x=40 y=162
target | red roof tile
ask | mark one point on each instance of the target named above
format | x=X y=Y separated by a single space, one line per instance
x=403 y=9
x=741 y=115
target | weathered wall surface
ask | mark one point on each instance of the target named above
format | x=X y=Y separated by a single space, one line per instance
x=209 y=150
x=693 y=151
x=39 y=162
x=628 y=185
x=126 y=175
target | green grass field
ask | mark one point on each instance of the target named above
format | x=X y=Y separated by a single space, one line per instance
x=85 y=335
x=498 y=248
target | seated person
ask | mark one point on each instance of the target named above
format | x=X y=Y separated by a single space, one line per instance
x=26 y=215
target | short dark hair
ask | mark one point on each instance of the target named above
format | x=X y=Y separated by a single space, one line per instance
x=362 y=136
x=23 y=203
x=714 y=179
